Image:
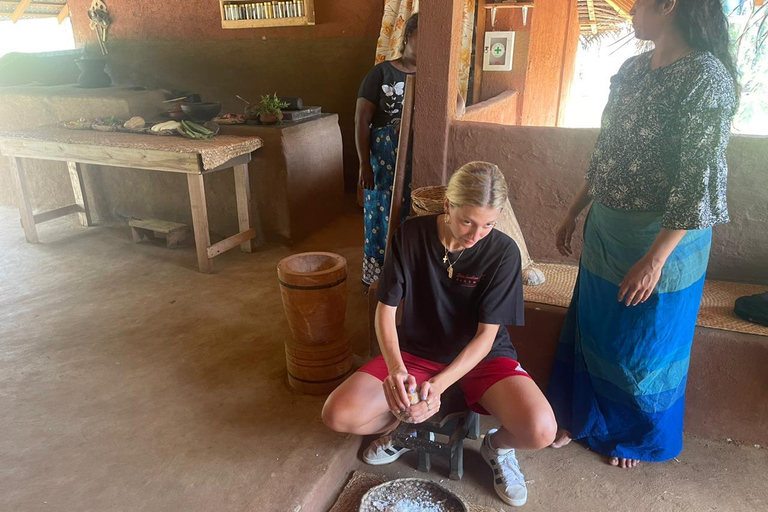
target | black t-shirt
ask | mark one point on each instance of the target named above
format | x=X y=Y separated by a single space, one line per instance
x=384 y=86
x=441 y=315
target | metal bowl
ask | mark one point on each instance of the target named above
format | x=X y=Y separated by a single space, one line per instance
x=411 y=495
x=201 y=112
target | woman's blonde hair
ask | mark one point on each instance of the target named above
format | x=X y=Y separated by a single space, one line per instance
x=477 y=184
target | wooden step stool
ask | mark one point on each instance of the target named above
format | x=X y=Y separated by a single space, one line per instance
x=150 y=229
x=454 y=420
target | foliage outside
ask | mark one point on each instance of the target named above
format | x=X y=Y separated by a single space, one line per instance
x=749 y=38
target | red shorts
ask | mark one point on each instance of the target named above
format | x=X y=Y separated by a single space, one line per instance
x=474 y=384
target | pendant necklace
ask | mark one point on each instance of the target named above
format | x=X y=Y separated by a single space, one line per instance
x=447 y=260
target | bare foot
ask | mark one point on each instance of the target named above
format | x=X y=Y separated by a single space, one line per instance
x=623 y=463
x=562 y=438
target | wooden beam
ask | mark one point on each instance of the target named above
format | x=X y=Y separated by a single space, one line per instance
x=229 y=243
x=63 y=14
x=622 y=7
x=39 y=15
x=510 y=5
x=196 y=185
x=247 y=213
x=398 y=187
x=22 y=200
x=568 y=67
x=36 y=4
x=592 y=21
x=600 y=26
x=58 y=212
x=78 y=190
x=479 y=48
x=20 y=10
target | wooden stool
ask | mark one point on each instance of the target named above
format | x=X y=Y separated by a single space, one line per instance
x=149 y=229
x=454 y=420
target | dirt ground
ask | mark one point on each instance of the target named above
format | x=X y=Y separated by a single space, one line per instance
x=131 y=382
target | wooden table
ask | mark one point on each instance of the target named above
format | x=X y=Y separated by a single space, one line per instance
x=122 y=150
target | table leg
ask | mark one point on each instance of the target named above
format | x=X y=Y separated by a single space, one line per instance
x=78 y=188
x=22 y=200
x=247 y=213
x=200 y=220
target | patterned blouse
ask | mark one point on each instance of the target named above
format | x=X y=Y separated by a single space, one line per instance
x=663 y=139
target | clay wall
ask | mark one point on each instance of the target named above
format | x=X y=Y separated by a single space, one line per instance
x=500 y=109
x=545 y=166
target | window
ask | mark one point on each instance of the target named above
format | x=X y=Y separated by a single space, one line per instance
x=599 y=58
x=36 y=35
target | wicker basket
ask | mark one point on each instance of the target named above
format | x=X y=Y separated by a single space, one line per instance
x=411 y=494
x=430 y=201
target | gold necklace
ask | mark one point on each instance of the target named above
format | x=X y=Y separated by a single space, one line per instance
x=447 y=260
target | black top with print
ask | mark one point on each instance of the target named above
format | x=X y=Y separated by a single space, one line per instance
x=440 y=315
x=384 y=86
x=663 y=139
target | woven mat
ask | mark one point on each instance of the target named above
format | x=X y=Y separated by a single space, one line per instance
x=361 y=482
x=716 y=309
x=214 y=152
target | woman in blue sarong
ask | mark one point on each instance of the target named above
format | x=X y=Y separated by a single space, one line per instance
x=657 y=182
x=377 y=133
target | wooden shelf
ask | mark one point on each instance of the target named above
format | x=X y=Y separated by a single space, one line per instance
x=509 y=5
x=294 y=21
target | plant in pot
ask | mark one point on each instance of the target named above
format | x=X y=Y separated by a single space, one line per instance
x=270 y=108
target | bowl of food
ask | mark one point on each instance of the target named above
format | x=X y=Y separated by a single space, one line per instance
x=200 y=112
x=411 y=495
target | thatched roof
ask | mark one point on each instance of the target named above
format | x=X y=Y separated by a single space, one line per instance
x=597 y=16
x=28 y=9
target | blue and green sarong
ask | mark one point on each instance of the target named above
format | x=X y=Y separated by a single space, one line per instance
x=377 y=202
x=618 y=381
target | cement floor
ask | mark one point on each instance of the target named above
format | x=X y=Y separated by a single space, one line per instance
x=708 y=476
x=131 y=382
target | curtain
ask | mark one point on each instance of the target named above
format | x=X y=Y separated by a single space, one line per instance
x=397 y=12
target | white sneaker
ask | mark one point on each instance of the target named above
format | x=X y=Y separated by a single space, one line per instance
x=508 y=480
x=384 y=451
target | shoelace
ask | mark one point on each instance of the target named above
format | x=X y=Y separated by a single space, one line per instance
x=508 y=461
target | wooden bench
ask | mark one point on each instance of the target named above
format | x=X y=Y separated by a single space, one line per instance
x=143 y=230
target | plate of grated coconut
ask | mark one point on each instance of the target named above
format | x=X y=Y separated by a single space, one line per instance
x=411 y=495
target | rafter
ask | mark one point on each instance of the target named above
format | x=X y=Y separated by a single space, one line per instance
x=20 y=10
x=35 y=4
x=592 y=21
x=63 y=14
x=622 y=7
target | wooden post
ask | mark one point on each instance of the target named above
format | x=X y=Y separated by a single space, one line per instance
x=551 y=62
x=403 y=146
x=479 y=51
x=22 y=200
x=247 y=215
x=78 y=188
x=200 y=220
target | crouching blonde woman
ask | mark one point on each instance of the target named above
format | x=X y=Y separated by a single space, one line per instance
x=460 y=282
